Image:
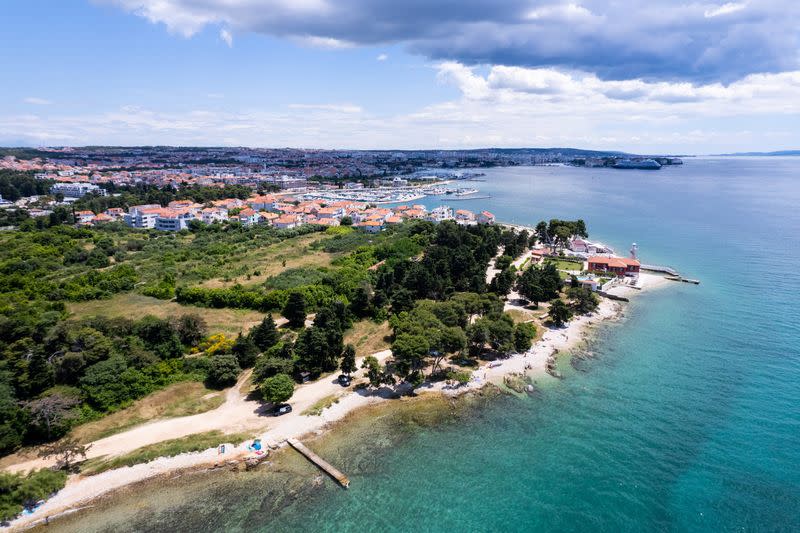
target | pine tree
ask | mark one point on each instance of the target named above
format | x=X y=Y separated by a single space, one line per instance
x=295 y=310
x=348 y=365
x=265 y=335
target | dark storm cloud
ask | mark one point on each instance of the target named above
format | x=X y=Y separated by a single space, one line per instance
x=653 y=40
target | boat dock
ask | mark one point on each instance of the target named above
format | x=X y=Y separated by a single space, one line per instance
x=673 y=275
x=662 y=269
x=320 y=462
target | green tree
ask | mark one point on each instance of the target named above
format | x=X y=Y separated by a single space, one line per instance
x=277 y=389
x=245 y=351
x=523 y=336
x=13 y=419
x=503 y=262
x=409 y=352
x=501 y=333
x=318 y=349
x=502 y=283
x=191 y=329
x=361 y=303
x=265 y=335
x=224 y=370
x=102 y=384
x=376 y=374
x=348 y=365
x=97 y=259
x=17 y=490
x=452 y=339
x=559 y=313
x=402 y=300
x=585 y=301
x=295 y=310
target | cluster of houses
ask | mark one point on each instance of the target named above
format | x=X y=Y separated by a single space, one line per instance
x=279 y=211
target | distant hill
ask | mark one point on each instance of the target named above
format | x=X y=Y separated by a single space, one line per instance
x=778 y=153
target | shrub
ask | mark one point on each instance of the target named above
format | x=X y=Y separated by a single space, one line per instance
x=223 y=371
x=277 y=389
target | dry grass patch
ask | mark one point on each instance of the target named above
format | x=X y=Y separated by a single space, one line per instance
x=520 y=315
x=135 y=306
x=368 y=337
x=181 y=399
x=321 y=405
x=276 y=258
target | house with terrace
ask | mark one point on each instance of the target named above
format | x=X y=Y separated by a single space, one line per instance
x=619 y=266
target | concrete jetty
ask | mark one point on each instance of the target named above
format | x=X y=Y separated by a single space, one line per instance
x=320 y=462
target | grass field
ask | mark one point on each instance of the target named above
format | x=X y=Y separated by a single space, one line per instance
x=269 y=261
x=563 y=264
x=180 y=399
x=135 y=306
x=368 y=337
x=168 y=448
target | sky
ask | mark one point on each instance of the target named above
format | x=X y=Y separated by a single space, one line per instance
x=646 y=76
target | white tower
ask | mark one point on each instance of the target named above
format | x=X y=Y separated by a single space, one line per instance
x=634 y=251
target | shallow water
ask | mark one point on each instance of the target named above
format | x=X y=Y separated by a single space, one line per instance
x=686 y=419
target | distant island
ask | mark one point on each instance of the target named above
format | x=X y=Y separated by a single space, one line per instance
x=763 y=154
x=351 y=165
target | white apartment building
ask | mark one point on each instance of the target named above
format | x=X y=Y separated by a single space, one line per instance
x=76 y=190
x=441 y=214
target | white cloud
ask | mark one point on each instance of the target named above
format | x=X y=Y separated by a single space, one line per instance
x=382 y=57
x=724 y=9
x=227 y=37
x=323 y=42
x=566 y=12
x=495 y=106
x=337 y=108
x=36 y=101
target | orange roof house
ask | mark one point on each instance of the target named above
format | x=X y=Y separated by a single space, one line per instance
x=621 y=266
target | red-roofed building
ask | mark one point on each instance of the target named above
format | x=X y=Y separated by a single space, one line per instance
x=101 y=218
x=485 y=217
x=84 y=217
x=248 y=216
x=621 y=266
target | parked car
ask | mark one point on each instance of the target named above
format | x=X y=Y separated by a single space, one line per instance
x=282 y=409
x=344 y=380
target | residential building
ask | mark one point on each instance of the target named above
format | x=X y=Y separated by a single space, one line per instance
x=84 y=217
x=285 y=222
x=441 y=214
x=248 y=217
x=464 y=216
x=620 y=266
x=174 y=219
x=142 y=216
x=209 y=215
x=485 y=217
x=76 y=190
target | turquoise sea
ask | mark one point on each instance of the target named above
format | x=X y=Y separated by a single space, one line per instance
x=687 y=418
